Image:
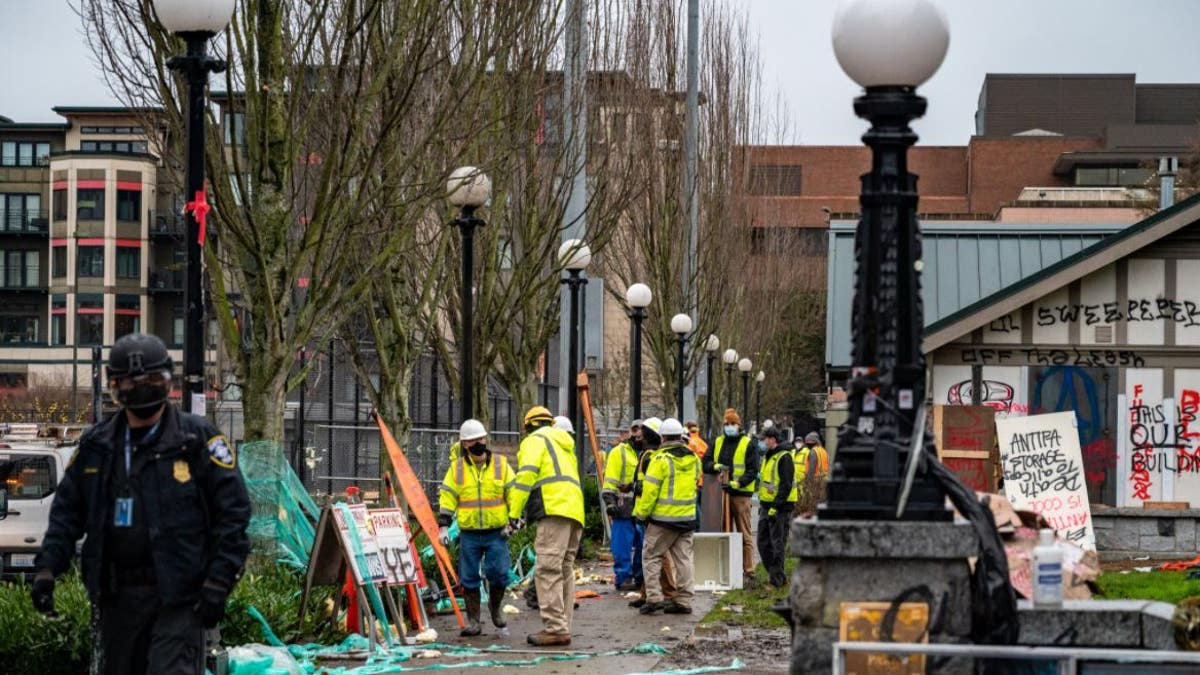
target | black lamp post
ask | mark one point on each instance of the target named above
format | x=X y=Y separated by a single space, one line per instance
x=758 y=380
x=711 y=345
x=468 y=189
x=195 y=21
x=681 y=325
x=638 y=296
x=745 y=365
x=730 y=358
x=575 y=256
x=888 y=366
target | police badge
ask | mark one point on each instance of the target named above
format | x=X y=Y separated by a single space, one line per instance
x=220 y=453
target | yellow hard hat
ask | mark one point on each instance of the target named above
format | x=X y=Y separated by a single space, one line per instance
x=538 y=414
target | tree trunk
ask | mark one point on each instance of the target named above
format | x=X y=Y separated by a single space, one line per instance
x=263 y=405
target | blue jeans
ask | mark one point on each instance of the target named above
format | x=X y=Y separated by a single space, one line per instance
x=488 y=547
x=639 y=534
x=626 y=550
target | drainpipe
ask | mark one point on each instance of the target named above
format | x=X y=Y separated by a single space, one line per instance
x=1167 y=168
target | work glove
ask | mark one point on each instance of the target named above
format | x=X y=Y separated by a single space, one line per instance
x=211 y=606
x=611 y=510
x=43 y=593
x=444 y=535
x=772 y=512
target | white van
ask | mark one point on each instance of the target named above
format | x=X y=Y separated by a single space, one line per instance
x=33 y=459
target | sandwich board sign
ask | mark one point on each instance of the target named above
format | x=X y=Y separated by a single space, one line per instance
x=1043 y=472
x=395 y=546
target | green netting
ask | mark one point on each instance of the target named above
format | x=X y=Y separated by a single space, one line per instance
x=281 y=523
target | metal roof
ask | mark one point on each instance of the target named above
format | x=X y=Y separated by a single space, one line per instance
x=965 y=261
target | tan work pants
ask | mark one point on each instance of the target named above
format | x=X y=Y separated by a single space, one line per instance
x=554 y=574
x=676 y=546
x=739 y=508
x=667 y=579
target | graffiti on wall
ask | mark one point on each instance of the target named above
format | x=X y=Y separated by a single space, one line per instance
x=1164 y=440
x=992 y=393
x=1183 y=312
x=1084 y=358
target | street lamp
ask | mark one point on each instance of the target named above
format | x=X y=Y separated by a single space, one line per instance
x=758 y=380
x=195 y=21
x=889 y=48
x=574 y=256
x=468 y=188
x=681 y=325
x=745 y=365
x=730 y=357
x=711 y=345
x=638 y=296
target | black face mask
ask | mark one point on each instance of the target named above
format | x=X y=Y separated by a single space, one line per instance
x=637 y=443
x=144 y=400
x=478 y=449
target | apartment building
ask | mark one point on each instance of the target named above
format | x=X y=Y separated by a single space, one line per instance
x=91 y=241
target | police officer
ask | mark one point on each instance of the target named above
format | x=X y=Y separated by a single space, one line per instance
x=164 y=510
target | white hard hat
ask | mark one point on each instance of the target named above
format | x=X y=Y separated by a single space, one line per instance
x=563 y=423
x=670 y=427
x=653 y=423
x=471 y=430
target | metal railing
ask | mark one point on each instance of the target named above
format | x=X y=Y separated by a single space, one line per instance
x=25 y=221
x=165 y=281
x=166 y=224
x=1067 y=660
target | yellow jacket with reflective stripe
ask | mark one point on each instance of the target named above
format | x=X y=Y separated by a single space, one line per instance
x=546 y=467
x=620 y=468
x=738 y=470
x=480 y=494
x=669 y=487
x=769 y=479
x=814 y=458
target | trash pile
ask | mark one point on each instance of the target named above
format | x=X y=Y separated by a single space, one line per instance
x=1019 y=531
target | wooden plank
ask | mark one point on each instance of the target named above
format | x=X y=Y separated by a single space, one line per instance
x=1171 y=506
x=966 y=454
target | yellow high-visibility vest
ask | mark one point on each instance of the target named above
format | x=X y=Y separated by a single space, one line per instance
x=768 y=479
x=478 y=494
x=546 y=465
x=669 y=487
x=738 y=469
x=619 y=468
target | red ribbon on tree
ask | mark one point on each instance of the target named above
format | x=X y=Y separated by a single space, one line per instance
x=199 y=208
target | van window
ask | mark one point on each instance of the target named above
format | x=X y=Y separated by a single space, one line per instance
x=27 y=476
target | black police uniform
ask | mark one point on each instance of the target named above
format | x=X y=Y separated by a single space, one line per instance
x=184 y=546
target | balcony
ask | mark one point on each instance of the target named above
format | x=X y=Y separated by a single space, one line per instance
x=165 y=281
x=24 y=278
x=24 y=221
x=167 y=225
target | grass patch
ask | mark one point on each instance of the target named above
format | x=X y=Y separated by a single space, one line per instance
x=755 y=604
x=1165 y=586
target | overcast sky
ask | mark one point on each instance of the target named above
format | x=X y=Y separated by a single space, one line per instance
x=45 y=62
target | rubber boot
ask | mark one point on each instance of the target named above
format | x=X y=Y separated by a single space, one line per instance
x=495 y=602
x=472 y=599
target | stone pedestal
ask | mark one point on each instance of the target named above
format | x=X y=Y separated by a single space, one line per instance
x=875 y=561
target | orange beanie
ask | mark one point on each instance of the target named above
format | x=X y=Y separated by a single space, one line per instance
x=731 y=417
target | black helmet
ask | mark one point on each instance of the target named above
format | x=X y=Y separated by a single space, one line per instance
x=771 y=432
x=137 y=354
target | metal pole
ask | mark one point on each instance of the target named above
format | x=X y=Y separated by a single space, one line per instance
x=708 y=398
x=679 y=377
x=728 y=385
x=299 y=454
x=691 y=286
x=329 y=416
x=466 y=225
x=574 y=130
x=757 y=405
x=746 y=394
x=96 y=400
x=635 y=362
x=573 y=281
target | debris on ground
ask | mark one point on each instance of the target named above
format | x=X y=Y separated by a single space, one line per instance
x=510 y=609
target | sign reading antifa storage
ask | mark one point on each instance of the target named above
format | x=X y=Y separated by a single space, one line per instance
x=1043 y=472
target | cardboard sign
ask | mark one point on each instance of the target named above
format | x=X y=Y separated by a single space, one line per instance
x=395 y=546
x=966 y=443
x=360 y=521
x=1043 y=472
x=863 y=622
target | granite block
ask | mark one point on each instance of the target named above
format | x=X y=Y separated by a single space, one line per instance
x=881 y=539
x=1155 y=543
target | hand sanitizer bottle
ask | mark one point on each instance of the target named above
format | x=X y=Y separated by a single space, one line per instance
x=1047 y=572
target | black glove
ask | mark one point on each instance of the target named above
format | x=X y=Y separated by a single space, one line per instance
x=43 y=593
x=211 y=607
x=611 y=510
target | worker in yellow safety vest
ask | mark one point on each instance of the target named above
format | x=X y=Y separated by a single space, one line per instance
x=812 y=470
x=620 y=467
x=734 y=459
x=478 y=490
x=651 y=443
x=547 y=490
x=667 y=505
x=776 y=501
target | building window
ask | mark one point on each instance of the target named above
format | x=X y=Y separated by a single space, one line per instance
x=19 y=269
x=129 y=262
x=111 y=130
x=58 y=268
x=237 y=181
x=24 y=153
x=235 y=128
x=90 y=329
x=18 y=329
x=129 y=206
x=1112 y=176
x=22 y=213
x=126 y=324
x=119 y=147
x=89 y=203
x=779 y=180
x=60 y=204
x=58 y=329
x=91 y=261
x=177 y=331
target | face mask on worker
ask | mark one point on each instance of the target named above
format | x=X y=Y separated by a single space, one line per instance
x=798 y=444
x=145 y=399
x=731 y=430
x=478 y=449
